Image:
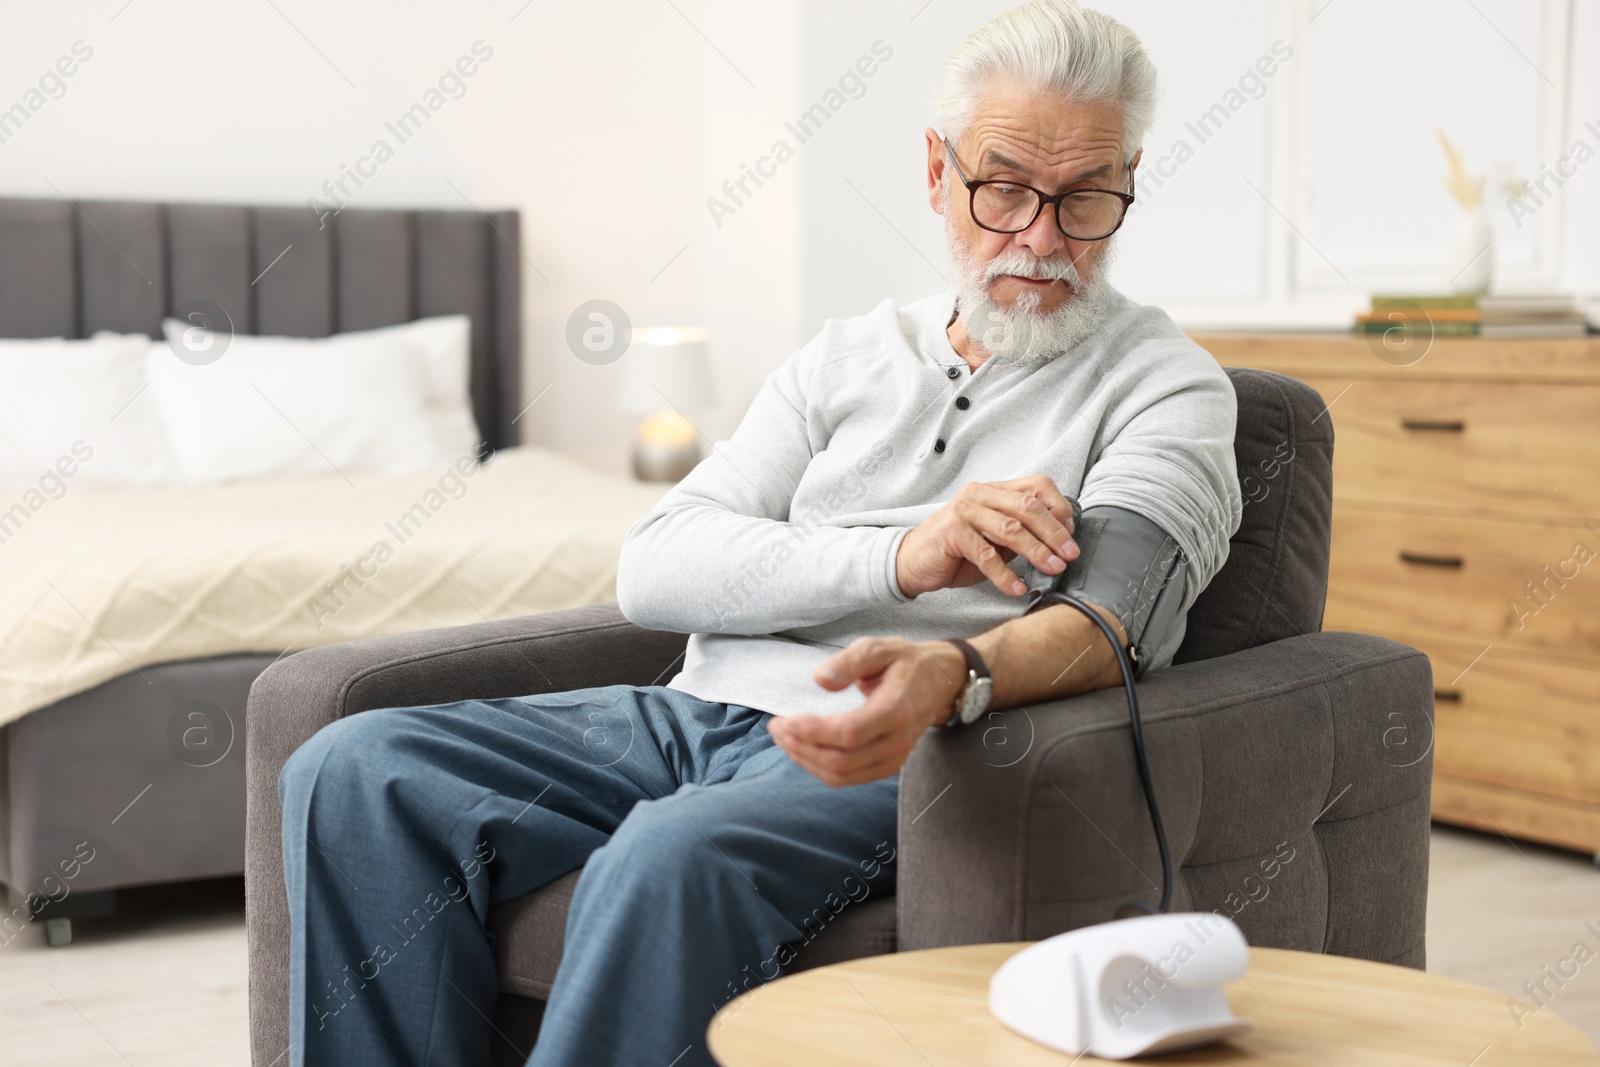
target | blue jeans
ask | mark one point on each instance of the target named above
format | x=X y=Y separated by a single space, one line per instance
x=706 y=849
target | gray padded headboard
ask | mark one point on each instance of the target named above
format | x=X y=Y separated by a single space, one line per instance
x=68 y=269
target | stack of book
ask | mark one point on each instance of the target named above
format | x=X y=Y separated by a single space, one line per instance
x=1510 y=315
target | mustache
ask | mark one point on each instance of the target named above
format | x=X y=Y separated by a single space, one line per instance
x=1026 y=266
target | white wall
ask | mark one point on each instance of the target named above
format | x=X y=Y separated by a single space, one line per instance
x=604 y=124
x=1375 y=206
x=1581 y=193
x=1323 y=183
x=752 y=260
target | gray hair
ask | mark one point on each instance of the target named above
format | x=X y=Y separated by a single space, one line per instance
x=1051 y=46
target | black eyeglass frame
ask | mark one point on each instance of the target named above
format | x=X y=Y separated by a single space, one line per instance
x=1040 y=200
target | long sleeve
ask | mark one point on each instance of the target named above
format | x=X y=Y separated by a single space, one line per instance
x=722 y=553
x=1172 y=461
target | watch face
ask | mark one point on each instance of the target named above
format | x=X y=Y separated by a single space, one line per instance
x=975 y=699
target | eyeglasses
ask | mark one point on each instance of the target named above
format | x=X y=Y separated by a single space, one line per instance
x=1011 y=207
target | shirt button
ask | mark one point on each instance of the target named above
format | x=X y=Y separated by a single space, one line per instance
x=952 y=373
x=938 y=446
x=963 y=403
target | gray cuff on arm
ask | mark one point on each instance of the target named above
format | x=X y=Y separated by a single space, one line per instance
x=1132 y=568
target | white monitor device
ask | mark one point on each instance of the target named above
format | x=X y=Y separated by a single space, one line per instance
x=1125 y=988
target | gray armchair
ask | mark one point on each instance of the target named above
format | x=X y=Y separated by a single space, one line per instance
x=1293 y=766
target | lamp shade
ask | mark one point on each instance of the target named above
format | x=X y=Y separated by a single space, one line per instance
x=665 y=366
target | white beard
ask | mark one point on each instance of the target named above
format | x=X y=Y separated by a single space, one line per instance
x=1021 y=334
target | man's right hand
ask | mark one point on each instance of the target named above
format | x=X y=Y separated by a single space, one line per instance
x=972 y=538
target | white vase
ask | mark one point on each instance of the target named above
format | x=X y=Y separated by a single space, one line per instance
x=1472 y=253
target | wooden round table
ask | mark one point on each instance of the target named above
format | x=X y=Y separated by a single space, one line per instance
x=932 y=1008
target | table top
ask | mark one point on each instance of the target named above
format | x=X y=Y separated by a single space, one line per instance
x=932 y=1008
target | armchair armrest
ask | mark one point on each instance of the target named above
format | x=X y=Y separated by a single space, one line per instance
x=1293 y=779
x=297 y=696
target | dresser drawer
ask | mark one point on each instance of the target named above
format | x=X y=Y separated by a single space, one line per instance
x=1483 y=445
x=1510 y=721
x=1530 y=586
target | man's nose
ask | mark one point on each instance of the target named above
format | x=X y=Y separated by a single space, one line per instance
x=1044 y=238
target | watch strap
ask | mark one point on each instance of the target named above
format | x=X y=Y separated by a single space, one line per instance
x=974 y=661
x=978 y=669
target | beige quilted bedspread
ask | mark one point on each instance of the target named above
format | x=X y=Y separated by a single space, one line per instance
x=100 y=583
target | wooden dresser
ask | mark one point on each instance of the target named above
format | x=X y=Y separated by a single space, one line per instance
x=1466 y=523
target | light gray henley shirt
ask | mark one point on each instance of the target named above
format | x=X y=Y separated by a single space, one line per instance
x=779 y=548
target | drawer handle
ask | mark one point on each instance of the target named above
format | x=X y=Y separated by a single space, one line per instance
x=1430 y=561
x=1452 y=696
x=1437 y=425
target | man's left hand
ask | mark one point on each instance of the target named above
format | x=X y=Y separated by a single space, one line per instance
x=909 y=686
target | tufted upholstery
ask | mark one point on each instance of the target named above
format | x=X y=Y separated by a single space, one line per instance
x=1275 y=581
x=1285 y=807
x=1294 y=798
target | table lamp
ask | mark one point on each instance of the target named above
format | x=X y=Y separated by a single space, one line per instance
x=664 y=374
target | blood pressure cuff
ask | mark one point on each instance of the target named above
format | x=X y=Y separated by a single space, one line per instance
x=1132 y=568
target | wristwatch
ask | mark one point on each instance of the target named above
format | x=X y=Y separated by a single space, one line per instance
x=973 y=699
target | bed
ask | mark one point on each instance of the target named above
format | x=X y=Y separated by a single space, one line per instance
x=133 y=620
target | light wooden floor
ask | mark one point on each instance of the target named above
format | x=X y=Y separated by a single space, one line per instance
x=166 y=984
x=162 y=984
x=1500 y=912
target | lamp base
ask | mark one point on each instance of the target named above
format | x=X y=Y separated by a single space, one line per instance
x=665 y=448
x=661 y=462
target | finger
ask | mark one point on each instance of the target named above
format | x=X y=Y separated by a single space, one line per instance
x=1046 y=492
x=1041 y=495
x=1011 y=535
x=786 y=729
x=1052 y=497
x=1060 y=510
x=861 y=658
x=854 y=777
x=850 y=730
x=1008 y=533
x=841 y=760
x=838 y=767
x=863 y=745
x=984 y=556
x=849 y=733
x=861 y=776
x=1045 y=531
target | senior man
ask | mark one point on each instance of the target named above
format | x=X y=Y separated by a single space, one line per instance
x=901 y=481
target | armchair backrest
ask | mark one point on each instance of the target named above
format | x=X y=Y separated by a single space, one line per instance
x=1275 y=581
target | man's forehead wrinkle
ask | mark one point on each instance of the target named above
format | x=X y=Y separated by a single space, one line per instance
x=1039 y=113
x=1032 y=127
x=1042 y=134
x=1080 y=146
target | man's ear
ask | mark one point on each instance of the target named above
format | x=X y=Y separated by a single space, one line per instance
x=1133 y=164
x=936 y=165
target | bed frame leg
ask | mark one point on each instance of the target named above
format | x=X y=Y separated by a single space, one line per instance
x=56 y=916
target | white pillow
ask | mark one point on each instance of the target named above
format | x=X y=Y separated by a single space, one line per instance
x=274 y=406
x=444 y=346
x=83 y=407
